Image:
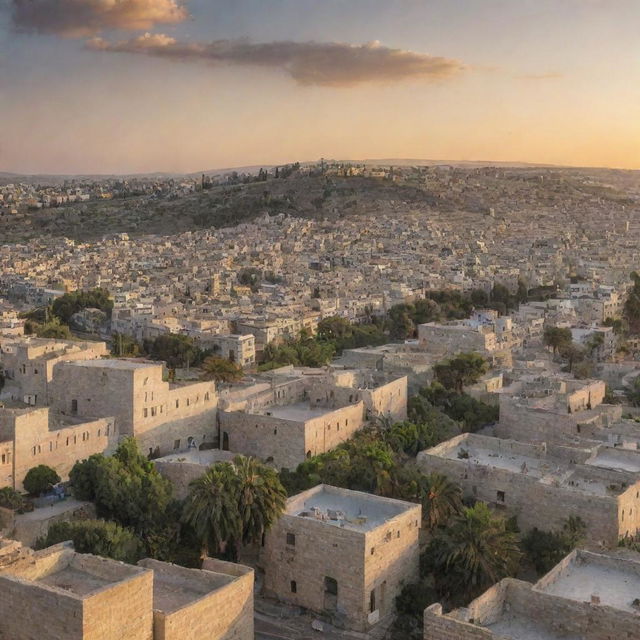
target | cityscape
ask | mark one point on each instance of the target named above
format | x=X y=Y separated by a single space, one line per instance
x=355 y=392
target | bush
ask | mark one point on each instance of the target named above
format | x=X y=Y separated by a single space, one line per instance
x=99 y=537
x=10 y=499
x=40 y=479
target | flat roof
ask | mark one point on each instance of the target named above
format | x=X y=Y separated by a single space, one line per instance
x=615 y=580
x=609 y=459
x=517 y=627
x=194 y=456
x=113 y=363
x=354 y=510
x=175 y=588
x=298 y=412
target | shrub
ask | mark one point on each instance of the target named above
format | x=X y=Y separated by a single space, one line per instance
x=40 y=479
x=10 y=499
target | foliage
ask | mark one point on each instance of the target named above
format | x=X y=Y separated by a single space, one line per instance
x=234 y=503
x=305 y=351
x=476 y=550
x=441 y=500
x=125 y=488
x=342 y=334
x=52 y=329
x=11 y=499
x=410 y=605
x=101 y=538
x=633 y=392
x=573 y=354
x=68 y=304
x=40 y=479
x=632 y=305
x=470 y=413
x=220 y=370
x=463 y=369
x=125 y=346
x=557 y=337
x=545 y=549
x=176 y=350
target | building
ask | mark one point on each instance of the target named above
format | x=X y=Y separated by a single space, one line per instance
x=554 y=409
x=30 y=363
x=542 y=485
x=57 y=593
x=161 y=416
x=588 y=596
x=293 y=414
x=240 y=349
x=343 y=554
x=33 y=436
x=212 y=603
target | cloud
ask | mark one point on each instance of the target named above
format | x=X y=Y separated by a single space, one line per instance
x=551 y=75
x=331 y=64
x=80 y=18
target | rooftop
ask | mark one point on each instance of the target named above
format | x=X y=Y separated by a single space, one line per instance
x=298 y=412
x=62 y=569
x=353 y=510
x=175 y=587
x=614 y=580
x=113 y=363
x=514 y=626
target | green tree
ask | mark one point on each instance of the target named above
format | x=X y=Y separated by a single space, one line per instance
x=545 y=549
x=220 y=370
x=401 y=325
x=98 y=537
x=557 y=338
x=442 y=499
x=176 y=350
x=463 y=369
x=475 y=551
x=53 y=329
x=211 y=508
x=125 y=487
x=234 y=503
x=124 y=346
x=261 y=497
x=632 y=305
x=11 y=499
x=68 y=304
x=40 y=479
x=573 y=354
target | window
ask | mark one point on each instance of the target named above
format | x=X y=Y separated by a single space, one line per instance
x=500 y=496
x=153 y=411
x=373 y=550
x=74 y=407
x=206 y=396
x=176 y=444
x=294 y=587
x=372 y=601
x=291 y=539
x=177 y=404
x=145 y=412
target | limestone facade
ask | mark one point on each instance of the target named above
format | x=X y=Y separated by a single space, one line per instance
x=343 y=554
x=542 y=485
x=587 y=597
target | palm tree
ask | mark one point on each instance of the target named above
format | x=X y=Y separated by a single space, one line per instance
x=474 y=552
x=441 y=499
x=220 y=370
x=212 y=508
x=261 y=498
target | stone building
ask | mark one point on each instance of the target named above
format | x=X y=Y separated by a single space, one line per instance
x=212 y=603
x=57 y=593
x=341 y=553
x=240 y=349
x=542 y=485
x=295 y=414
x=161 y=416
x=554 y=409
x=588 y=596
x=30 y=437
x=29 y=365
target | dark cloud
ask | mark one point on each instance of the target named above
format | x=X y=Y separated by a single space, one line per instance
x=80 y=18
x=309 y=63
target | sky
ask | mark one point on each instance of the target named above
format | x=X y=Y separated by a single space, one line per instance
x=127 y=86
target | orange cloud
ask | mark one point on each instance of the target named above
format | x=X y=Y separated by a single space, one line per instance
x=308 y=63
x=80 y=18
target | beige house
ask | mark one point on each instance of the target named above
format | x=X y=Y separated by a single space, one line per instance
x=343 y=554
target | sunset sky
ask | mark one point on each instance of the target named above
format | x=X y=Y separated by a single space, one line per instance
x=119 y=86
